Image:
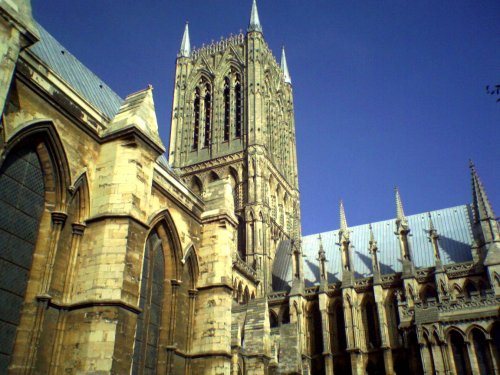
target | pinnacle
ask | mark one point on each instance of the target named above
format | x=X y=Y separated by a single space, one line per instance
x=372 y=236
x=400 y=214
x=480 y=203
x=284 y=66
x=343 y=220
x=254 y=24
x=431 y=224
x=321 y=249
x=185 y=50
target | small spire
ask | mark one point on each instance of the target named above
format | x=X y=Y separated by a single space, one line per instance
x=373 y=251
x=185 y=50
x=433 y=238
x=480 y=203
x=284 y=66
x=400 y=214
x=321 y=251
x=254 y=24
x=322 y=260
x=431 y=224
x=343 y=220
x=373 y=242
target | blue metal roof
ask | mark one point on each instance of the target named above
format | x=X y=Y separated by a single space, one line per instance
x=282 y=266
x=453 y=226
x=77 y=75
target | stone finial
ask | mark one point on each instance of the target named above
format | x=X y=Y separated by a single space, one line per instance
x=284 y=67
x=254 y=24
x=185 y=50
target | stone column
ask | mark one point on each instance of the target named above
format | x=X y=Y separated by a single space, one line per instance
x=43 y=298
x=76 y=238
x=494 y=356
x=325 y=323
x=171 y=346
x=472 y=358
x=193 y=293
x=78 y=230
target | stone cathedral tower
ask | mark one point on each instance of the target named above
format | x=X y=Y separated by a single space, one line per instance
x=233 y=118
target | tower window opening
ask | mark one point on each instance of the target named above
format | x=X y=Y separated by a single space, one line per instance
x=239 y=111
x=196 y=131
x=208 y=113
x=226 y=109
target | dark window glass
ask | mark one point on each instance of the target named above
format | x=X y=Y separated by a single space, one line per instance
x=239 y=105
x=151 y=303
x=196 y=132
x=208 y=115
x=226 y=109
x=21 y=205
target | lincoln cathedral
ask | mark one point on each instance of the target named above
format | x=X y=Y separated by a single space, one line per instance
x=119 y=255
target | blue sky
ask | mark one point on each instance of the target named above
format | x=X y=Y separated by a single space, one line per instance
x=386 y=92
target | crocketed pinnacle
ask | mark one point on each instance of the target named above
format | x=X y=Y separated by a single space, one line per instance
x=343 y=221
x=284 y=67
x=400 y=214
x=373 y=242
x=254 y=24
x=185 y=50
x=480 y=203
x=432 y=229
x=321 y=251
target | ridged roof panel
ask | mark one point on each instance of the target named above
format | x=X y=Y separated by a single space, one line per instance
x=282 y=266
x=452 y=225
x=77 y=75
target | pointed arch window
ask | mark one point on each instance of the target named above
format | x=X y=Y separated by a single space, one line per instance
x=196 y=127
x=239 y=106
x=22 y=202
x=227 y=108
x=151 y=301
x=208 y=114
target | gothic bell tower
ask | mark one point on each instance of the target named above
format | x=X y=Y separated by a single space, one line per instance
x=233 y=118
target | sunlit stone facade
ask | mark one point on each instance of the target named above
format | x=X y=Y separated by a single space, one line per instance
x=119 y=257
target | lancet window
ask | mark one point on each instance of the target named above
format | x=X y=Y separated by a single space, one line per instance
x=208 y=114
x=150 y=302
x=239 y=106
x=227 y=108
x=196 y=128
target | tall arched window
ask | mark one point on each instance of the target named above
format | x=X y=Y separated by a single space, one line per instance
x=208 y=114
x=196 y=130
x=371 y=324
x=460 y=354
x=151 y=301
x=239 y=106
x=227 y=109
x=483 y=355
x=22 y=193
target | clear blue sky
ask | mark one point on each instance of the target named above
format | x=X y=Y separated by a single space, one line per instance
x=386 y=92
